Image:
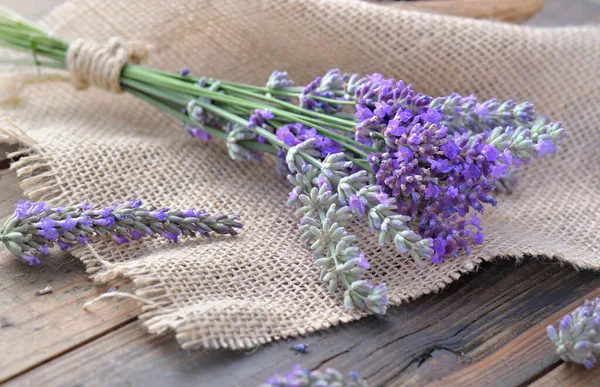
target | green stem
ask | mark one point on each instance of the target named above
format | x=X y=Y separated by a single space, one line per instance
x=174 y=112
x=292 y=107
x=142 y=75
x=26 y=62
x=261 y=131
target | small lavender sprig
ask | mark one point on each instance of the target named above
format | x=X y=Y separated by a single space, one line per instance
x=463 y=114
x=35 y=227
x=363 y=198
x=328 y=86
x=304 y=377
x=578 y=337
x=323 y=229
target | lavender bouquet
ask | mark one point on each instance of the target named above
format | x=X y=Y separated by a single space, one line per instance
x=418 y=170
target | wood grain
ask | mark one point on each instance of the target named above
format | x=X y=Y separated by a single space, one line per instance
x=418 y=343
x=34 y=329
x=505 y=10
x=523 y=358
x=569 y=375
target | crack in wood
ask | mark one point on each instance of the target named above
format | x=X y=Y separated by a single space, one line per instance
x=323 y=362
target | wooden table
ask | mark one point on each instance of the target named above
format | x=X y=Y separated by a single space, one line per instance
x=486 y=329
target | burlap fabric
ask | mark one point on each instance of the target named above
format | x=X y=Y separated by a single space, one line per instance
x=248 y=290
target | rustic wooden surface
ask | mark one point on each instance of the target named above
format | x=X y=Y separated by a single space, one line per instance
x=486 y=329
x=505 y=10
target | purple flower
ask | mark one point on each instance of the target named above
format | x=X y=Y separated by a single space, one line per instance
x=47 y=230
x=450 y=150
x=481 y=110
x=68 y=223
x=22 y=208
x=545 y=146
x=300 y=347
x=431 y=115
x=431 y=191
x=84 y=220
x=363 y=262
x=265 y=114
x=136 y=235
x=192 y=213
x=38 y=207
x=356 y=205
x=383 y=109
x=499 y=170
x=169 y=236
x=44 y=249
x=120 y=239
x=490 y=152
x=293 y=196
x=404 y=115
x=478 y=238
x=363 y=113
x=64 y=246
x=404 y=154
x=284 y=134
x=32 y=260
x=160 y=214
x=135 y=203
x=81 y=239
x=84 y=205
x=200 y=134
x=321 y=181
x=472 y=172
x=106 y=212
x=452 y=192
x=257 y=119
x=107 y=222
x=184 y=72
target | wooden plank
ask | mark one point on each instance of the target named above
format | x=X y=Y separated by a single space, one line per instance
x=567 y=12
x=505 y=10
x=520 y=360
x=413 y=344
x=35 y=329
x=4 y=150
x=569 y=375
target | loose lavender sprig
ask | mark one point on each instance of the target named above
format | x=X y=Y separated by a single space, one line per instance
x=35 y=227
x=578 y=337
x=304 y=377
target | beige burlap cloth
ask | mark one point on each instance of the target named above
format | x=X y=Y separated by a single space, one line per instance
x=248 y=290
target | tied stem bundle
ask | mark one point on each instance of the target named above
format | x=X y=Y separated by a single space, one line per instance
x=418 y=170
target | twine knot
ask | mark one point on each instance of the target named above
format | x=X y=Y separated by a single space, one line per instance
x=100 y=65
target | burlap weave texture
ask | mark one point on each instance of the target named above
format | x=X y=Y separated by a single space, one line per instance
x=262 y=285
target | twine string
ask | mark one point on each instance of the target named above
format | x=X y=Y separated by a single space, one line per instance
x=100 y=65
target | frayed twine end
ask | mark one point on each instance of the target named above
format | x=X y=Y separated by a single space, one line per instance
x=117 y=295
x=12 y=85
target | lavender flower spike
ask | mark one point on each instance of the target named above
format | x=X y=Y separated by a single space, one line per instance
x=303 y=377
x=578 y=337
x=35 y=227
